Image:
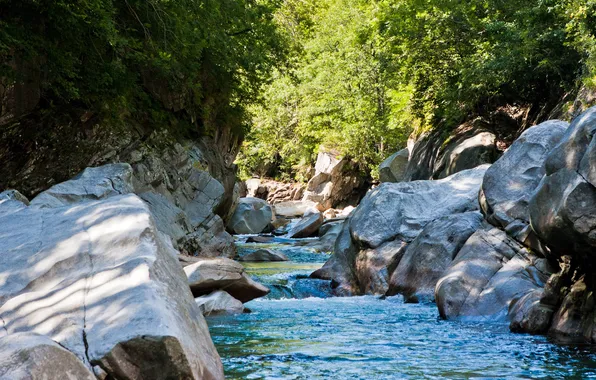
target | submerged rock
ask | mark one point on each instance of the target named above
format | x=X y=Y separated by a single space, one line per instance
x=261 y=255
x=208 y=275
x=252 y=216
x=27 y=356
x=219 y=302
x=430 y=254
x=100 y=279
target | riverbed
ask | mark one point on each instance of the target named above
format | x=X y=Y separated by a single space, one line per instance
x=299 y=332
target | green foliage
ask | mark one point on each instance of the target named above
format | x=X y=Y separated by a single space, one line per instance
x=210 y=56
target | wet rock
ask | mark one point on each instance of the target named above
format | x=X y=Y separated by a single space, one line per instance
x=264 y=255
x=99 y=278
x=527 y=314
x=307 y=226
x=91 y=184
x=574 y=320
x=401 y=210
x=219 y=302
x=27 y=356
x=252 y=216
x=393 y=169
x=430 y=254
x=488 y=274
x=374 y=266
x=510 y=182
x=208 y=275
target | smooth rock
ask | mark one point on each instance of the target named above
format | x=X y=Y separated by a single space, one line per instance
x=527 y=314
x=488 y=274
x=90 y=185
x=510 y=182
x=291 y=209
x=393 y=169
x=430 y=254
x=219 y=302
x=401 y=210
x=264 y=255
x=252 y=216
x=307 y=226
x=467 y=154
x=98 y=278
x=27 y=356
x=208 y=275
x=373 y=266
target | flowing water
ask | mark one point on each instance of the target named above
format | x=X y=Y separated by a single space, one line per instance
x=297 y=332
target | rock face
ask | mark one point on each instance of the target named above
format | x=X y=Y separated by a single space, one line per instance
x=264 y=255
x=335 y=181
x=488 y=274
x=437 y=156
x=219 y=302
x=252 y=216
x=208 y=275
x=307 y=226
x=98 y=277
x=26 y=356
x=430 y=254
x=401 y=210
x=373 y=266
x=510 y=182
x=393 y=169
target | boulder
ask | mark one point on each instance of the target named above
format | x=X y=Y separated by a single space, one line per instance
x=252 y=216
x=466 y=153
x=307 y=226
x=14 y=195
x=264 y=255
x=27 y=356
x=527 y=314
x=488 y=274
x=510 y=182
x=393 y=169
x=430 y=254
x=574 y=320
x=91 y=184
x=373 y=266
x=291 y=209
x=563 y=209
x=336 y=181
x=100 y=279
x=219 y=302
x=401 y=210
x=208 y=275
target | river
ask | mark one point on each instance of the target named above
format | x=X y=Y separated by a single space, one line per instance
x=298 y=332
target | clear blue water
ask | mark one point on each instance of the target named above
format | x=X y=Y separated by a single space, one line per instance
x=293 y=336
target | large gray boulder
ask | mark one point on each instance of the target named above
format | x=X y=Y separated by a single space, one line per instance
x=91 y=184
x=26 y=356
x=373 y=266
x=430 y=254
x=264 y=255
x=307 y=226
x=465 y=154
x=563 y=210
x=401 y=210
x=252 y=216
x=510 y=182
x=208 y=275
x=393 y=169
x=488 y=274
x=100 y=279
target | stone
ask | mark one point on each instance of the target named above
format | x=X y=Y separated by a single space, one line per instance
x=401 y=210
x=510 y=182
x=27 y=356
x=264 y=255
x=393 y=169
x=527 y=314
x=208 y=275
x=99 y=278
x=574 y=320
x=430 y=254
x=488 y=274
x=466 y=154
x=219 y=302
x=14 y=195
x=90 y=185
x=252 y=216
x=307 y=226
x=294 y=209
x=373 y=266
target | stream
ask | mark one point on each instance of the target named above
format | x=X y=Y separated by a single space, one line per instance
x=299 y=332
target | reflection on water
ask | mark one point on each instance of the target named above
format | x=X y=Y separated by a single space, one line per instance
x=369 y=338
